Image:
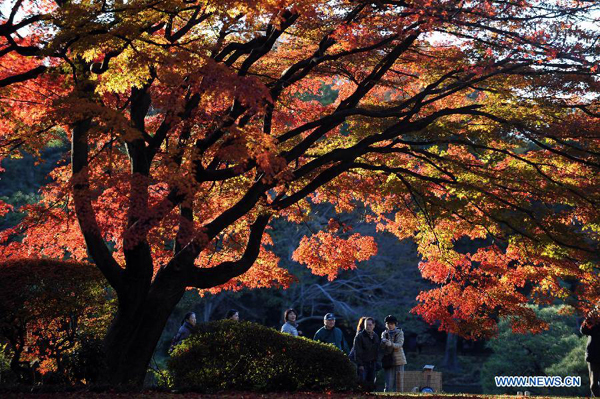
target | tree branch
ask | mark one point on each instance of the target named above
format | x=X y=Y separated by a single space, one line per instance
x=222 y=273
x=84 y=210
x=22 y=77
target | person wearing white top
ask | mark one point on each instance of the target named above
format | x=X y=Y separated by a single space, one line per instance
x=290 y=326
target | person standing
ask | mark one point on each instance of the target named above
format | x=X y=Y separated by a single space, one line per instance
x=187 y=327
x=591 y=328
x=394 y=359
x=359 y=328
x=330 y=334
x=290 y=326
x=366 y=350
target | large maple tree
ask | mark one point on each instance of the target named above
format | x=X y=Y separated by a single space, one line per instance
x=192 y=124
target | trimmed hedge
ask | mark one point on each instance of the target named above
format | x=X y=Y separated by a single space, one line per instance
x=229 y=355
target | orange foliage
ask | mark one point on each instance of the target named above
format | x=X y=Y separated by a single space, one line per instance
x=192 y=124
x=325 y=254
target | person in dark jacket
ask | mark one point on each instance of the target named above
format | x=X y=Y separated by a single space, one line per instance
x=359 y=328
x=366 y=350
x=187 y=327
x=330 y=334
x=591 y=328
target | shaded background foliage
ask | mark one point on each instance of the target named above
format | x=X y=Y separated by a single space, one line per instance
x=556 y=352
x=22 y=178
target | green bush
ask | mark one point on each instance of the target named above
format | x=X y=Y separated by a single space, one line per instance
x=50 y=311
x=227 y=355
x=86 y=361
x=4 y=362
x=573 y=363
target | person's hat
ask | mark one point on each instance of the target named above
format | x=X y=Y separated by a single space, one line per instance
x=329 y=316
x=391 y=319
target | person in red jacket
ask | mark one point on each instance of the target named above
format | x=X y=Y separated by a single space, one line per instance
x=591 y=328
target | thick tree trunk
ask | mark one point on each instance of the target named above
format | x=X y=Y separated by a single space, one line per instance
x=135 y=332
x=130 y=344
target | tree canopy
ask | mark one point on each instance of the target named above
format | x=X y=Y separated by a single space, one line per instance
x=194 y=123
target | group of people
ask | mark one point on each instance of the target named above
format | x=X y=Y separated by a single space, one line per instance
x=368 y=349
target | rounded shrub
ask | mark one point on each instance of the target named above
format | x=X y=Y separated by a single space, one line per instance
x=49 y=309
x=229 y=355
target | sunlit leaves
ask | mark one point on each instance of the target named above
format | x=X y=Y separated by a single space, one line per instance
x=326 y=254
x=483 y=127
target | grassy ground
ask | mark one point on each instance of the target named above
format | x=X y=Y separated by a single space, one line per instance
x=469 y=376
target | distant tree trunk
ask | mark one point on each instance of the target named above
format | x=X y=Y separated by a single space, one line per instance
x=210 y=305
x=208 y=309
x=450 y=361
